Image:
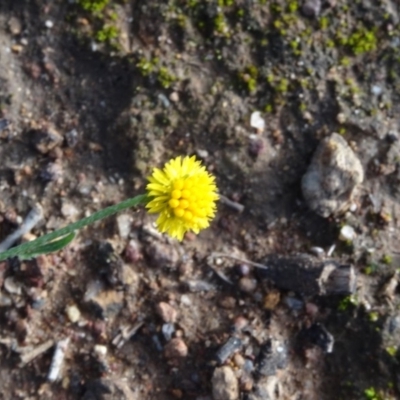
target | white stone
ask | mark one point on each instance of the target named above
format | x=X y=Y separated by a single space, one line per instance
x=68 y=210
x=185 y=300
x=353 y=207
x=376 y=90
x=347 y=233
x=256 y=121
x=124 y=222
x=73 y=313
x=318 y=251
x=100 y=349
x=12 y=286
x=174 y=96
x=202 y=153
x=341 y=118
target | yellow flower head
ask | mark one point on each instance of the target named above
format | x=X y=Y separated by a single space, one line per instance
x=184 y=194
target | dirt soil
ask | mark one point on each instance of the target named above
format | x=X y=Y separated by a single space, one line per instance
x=94 y=94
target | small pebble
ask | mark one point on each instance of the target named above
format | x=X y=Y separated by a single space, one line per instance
x=157 y=343
x=391 y=137
x=167 y=331
x=12 y=286
x=68 y=210
x=164 y=100
x=271 y=299
x=100 y=349
x=5 y=300
x=376 y=90
x=38 y=304
x=46 y=139
x=293 y=303
x=99 y=328
x=16 y=48
x=256 y=146
x=311 y=8
x=4 y=123
x=246 y=383
x=174 y=96
x=225 y=384
x=73 y=313
x=12 y=216
x=49 y=24
x=312 y=309
x=14 y=26
x=177 y=393
x=239 y=360
x=21 y=330
x=124 y=224
x=240 y=323
x=247 y=284
x=167 y=312
x=347 y=233
x=162 y=255
x=202 y=153
x=353 y=207
x=243 y=269
x=94 y=46
x=341 y=118
x=256 y=121
x=318 y=251
x=185 y=300
x=176 y=348
x=228 y=302
x=248 y=366
x=52 y=172
x=132 y=252
x=106 y=304
x=72 y=138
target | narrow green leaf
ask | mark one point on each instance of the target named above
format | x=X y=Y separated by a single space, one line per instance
x=30 y=247
x=49 y=247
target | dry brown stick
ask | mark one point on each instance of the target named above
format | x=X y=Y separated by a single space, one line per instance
x=304 y=274
x=243 y=260
x=27 y=356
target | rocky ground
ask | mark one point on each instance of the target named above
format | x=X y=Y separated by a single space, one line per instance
x=292 y=293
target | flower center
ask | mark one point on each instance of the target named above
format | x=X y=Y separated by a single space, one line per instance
x=188 y=198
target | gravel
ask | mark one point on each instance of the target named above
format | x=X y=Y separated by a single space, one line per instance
x=224 y=384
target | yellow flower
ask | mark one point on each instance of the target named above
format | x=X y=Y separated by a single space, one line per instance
x=184 y=194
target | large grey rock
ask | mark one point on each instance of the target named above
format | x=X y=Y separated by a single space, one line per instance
x=334 y=173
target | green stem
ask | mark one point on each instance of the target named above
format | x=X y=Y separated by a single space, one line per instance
x=29 y=247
